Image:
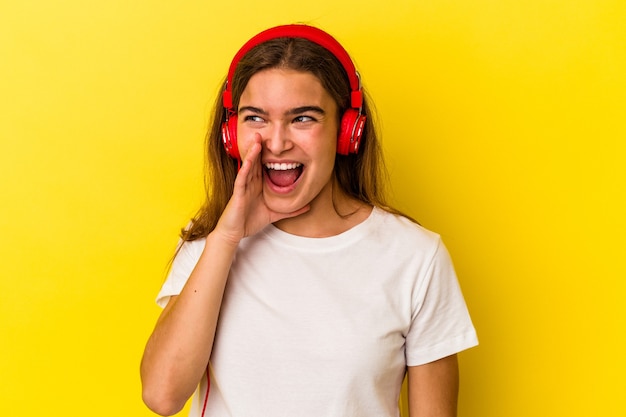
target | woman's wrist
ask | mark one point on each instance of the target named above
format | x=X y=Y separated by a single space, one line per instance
x=222 y=240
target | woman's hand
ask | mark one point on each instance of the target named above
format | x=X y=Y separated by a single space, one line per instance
x=246 y=213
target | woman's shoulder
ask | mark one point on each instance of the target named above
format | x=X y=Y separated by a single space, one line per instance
x=190 y=249
x=403 y=228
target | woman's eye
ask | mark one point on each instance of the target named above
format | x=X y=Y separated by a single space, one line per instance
x=253 y=118
x=302 y=119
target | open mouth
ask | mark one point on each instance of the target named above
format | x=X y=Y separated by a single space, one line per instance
x=283 y=174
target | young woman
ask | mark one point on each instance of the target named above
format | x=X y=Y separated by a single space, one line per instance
x=296 y=290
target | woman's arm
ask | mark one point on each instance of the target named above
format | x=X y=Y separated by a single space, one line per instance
x=178 y=351
x=433 y=388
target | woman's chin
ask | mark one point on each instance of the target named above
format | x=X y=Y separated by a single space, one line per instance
x=283 y=205
x=284 y=208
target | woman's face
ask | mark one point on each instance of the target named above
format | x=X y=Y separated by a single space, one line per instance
x=297 y=120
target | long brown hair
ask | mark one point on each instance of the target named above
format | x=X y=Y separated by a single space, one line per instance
x=362 y=176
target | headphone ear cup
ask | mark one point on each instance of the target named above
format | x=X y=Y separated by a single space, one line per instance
x=229 y=137
x=351 y=132
x=359 y=127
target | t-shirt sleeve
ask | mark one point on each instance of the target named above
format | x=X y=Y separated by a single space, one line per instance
x=182 y=266
x=441 y=324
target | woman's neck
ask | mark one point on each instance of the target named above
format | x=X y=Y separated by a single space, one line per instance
x=332 y=212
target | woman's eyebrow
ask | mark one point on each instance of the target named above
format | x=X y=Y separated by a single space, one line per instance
x=304 y=109
x=290 y=112
x=252 y=109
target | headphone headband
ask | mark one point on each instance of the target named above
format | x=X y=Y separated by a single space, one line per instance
x=310 y=33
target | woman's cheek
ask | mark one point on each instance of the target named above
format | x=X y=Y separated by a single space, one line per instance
x=243 y=141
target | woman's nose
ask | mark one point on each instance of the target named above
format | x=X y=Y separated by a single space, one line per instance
x=276 y=139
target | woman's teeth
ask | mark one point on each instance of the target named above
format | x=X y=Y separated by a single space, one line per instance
x=282 y=166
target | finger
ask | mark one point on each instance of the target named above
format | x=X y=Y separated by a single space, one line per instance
x=254 y=150
x=247 y=167
x=249 y=160
x=255 y=147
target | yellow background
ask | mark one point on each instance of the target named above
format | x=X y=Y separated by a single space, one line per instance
x=504 y=130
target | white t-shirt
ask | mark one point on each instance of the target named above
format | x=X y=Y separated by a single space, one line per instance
x=326 y=326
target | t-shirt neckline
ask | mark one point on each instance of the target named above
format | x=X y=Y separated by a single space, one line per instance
x=350 y=236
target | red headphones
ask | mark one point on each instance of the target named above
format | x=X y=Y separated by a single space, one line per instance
x=352 y=121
